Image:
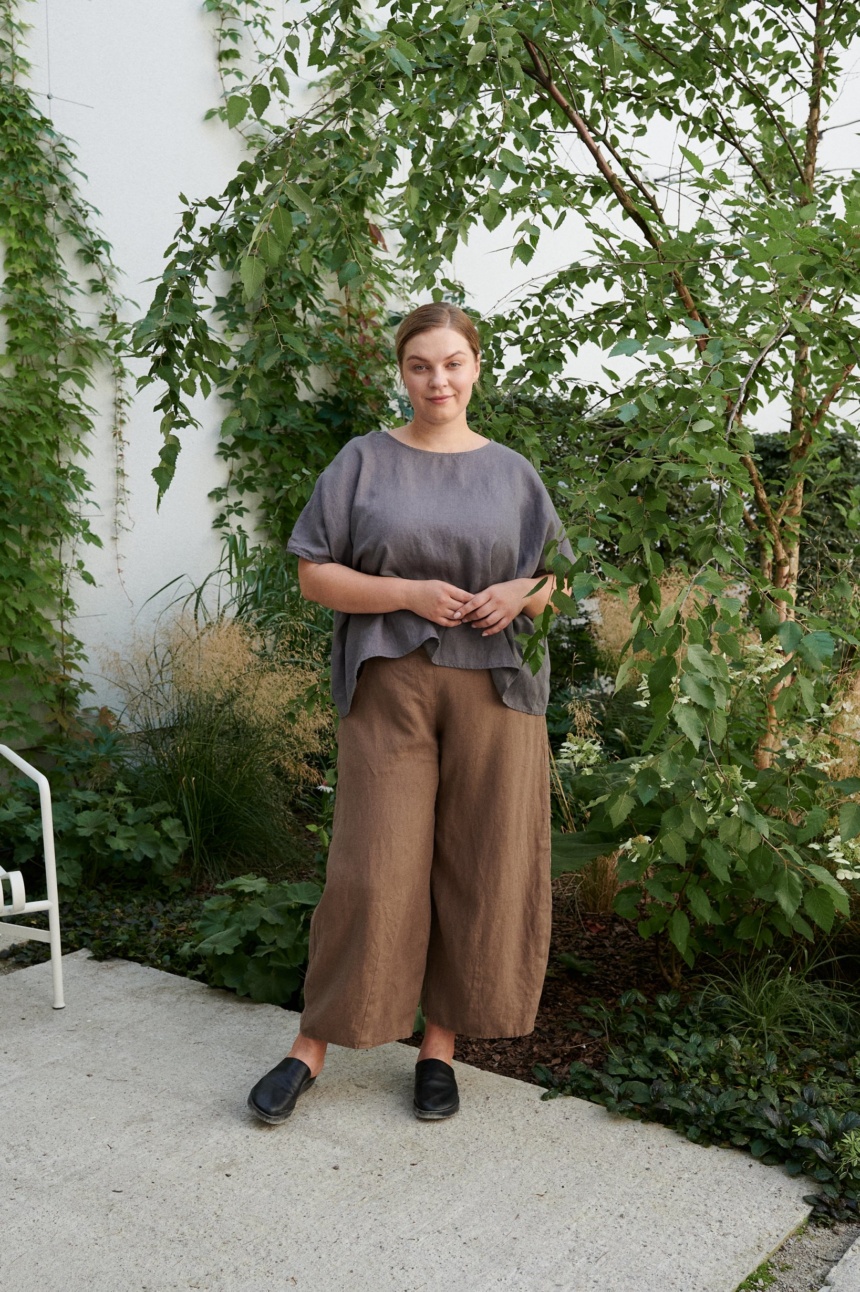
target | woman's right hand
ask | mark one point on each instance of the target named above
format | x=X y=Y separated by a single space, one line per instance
x=437 y=601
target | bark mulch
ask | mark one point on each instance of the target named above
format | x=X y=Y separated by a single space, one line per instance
x=609 y=957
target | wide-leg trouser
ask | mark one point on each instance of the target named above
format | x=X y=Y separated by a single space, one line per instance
x=438 y=878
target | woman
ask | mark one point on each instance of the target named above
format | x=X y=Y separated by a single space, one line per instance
x=428 y=542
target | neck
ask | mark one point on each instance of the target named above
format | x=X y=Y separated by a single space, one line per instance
x=449 y=435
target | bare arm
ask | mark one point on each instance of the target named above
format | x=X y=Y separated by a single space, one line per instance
x=354 y=593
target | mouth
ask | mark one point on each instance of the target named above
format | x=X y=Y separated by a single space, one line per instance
x=439 y=399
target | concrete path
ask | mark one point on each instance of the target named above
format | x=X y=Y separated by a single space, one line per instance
x=132 y=1165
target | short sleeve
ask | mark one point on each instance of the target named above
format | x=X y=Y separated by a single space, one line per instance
x=541 y=526
x=322 y=532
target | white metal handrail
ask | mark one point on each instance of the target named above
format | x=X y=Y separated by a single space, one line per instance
x=14 y=881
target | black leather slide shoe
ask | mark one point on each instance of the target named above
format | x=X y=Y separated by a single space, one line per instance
x=274 y=1096
x=436 y=1094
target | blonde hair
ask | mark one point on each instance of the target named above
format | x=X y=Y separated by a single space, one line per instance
x=436 y=315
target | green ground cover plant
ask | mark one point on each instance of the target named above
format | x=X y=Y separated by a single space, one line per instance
x=253 y=937
x=788 y=1100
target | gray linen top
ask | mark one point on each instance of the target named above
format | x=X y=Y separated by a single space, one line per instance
x=472 y=518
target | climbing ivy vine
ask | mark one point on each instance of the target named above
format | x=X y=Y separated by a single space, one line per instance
x=53 y=259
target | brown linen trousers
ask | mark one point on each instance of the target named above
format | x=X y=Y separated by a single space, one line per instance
x=438 y=880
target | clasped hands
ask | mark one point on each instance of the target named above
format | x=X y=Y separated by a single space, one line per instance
x=491 y=610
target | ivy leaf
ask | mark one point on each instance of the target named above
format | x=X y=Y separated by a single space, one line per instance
x=237 y=109
x=260 y=97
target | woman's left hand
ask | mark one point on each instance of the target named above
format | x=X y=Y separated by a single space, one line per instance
x=497 y=606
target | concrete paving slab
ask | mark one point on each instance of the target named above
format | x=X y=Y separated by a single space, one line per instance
x=132 y=1163
x=845 y=1275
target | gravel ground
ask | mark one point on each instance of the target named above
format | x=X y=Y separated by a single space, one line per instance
x=804 y=1261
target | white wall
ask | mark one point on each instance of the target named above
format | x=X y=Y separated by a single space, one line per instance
x=130 y=81
x=129 y=84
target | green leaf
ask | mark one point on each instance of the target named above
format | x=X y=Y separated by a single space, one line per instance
x=790 y=635
x=619 y=809
x=818 y=904
x=699 y=690
x=679 y=930
x=673 y=846
x=298 y=198
x=700 y=905
x=628 y=346
x=647 y=784
x=817 y=648
x=696 y=162
x=260 y=97
x=253 y=273
x=689 y=722
x=789 y=891
x=237 y=109
x=628 y=412
x=477 y=53
x=701 y=660
x=281 y=225
x=849 y=821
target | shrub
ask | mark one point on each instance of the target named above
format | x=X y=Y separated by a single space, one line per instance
x=223 y=736
x=253 y=937
x=793 y=1103
x=100 y=835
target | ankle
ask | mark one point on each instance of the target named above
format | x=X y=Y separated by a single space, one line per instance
x=309 y=1051
x=438 y=1043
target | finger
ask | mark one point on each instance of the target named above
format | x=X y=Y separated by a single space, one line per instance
x=474 y=604
x=483 y=614
x=498 y=628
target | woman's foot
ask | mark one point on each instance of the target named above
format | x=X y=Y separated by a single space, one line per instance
x=275 y=1095
x=436 y=1094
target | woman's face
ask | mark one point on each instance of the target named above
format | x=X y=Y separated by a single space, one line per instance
x=439 y=371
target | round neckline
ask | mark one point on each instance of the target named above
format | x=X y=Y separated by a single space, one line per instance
x=437 y=453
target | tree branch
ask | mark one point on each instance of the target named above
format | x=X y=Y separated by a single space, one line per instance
x=542 y=73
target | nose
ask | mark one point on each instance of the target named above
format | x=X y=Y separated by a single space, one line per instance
x=437 y=378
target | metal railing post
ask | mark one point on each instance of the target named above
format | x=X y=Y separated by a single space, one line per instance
x=52 y=905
